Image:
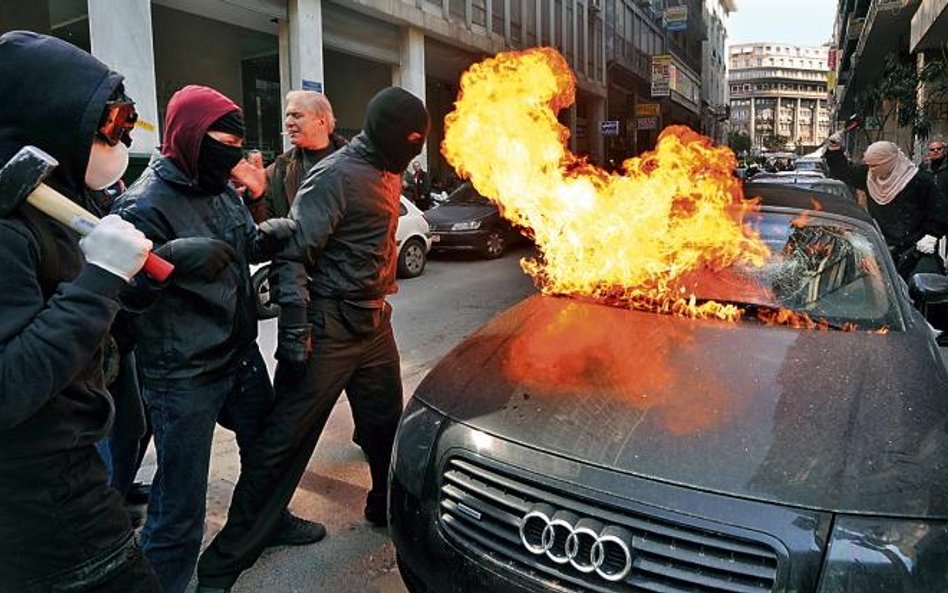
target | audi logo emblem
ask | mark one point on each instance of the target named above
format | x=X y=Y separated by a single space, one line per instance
x=586 y=544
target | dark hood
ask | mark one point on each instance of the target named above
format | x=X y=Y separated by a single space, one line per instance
x=397 y=123
x=52 y=95
x=191 y=111
x=840 y=421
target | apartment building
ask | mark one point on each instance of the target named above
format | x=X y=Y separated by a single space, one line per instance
x=778 y=94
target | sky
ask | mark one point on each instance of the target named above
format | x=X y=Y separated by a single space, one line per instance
x=796 y=22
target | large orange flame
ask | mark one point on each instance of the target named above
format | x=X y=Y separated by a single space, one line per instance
x=627 y=238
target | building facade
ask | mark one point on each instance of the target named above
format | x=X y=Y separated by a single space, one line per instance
x=254 y=51
x=869 y=35
x=778 y=95
x=714 y=88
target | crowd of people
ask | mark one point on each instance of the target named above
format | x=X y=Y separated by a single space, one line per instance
x=95 y=354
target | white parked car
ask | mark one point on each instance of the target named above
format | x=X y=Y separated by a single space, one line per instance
x=413 y=238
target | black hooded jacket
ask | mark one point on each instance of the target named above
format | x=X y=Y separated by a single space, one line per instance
x=195 y=329
x=52 y=395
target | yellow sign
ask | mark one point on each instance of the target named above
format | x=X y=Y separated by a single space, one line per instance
x=648 y=110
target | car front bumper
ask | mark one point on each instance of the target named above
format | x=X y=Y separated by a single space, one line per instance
x=441 y=550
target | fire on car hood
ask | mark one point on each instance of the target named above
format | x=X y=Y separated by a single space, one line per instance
x=826 y=420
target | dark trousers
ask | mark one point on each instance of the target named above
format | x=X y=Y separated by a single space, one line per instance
x=184 y=415
x=63 y=529
x=352 y=350
x=123 y=449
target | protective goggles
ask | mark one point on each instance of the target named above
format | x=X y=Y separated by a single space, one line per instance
x=117 y=122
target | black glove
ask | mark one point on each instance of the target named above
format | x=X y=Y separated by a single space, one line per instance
x=274 y=233
x=294 y=339
x=198 y=257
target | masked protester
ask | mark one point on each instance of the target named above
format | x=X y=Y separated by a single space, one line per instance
x=197 y=351
x=309 y=123
x=911 y=211
x=61 y=526
x=335 y=329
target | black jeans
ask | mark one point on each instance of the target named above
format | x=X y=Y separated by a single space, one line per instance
x=63 y=529
x=352 y=350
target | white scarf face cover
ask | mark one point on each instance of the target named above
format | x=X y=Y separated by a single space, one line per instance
x=886 y=155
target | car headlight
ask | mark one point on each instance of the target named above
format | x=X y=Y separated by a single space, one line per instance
x=872 y=555
x=414 y=442
x=470 y=225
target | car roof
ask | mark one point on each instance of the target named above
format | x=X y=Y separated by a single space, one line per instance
x=784 y=195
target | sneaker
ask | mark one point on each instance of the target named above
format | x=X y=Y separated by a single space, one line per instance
x=138 y=494
x=296 y=531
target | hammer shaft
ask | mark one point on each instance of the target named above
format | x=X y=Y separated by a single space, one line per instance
x=59 y=207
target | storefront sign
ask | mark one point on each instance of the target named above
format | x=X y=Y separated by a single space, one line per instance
x=646 y=123
x=661 y=75
x=675 y=18
x=648 y=109
x=610 y=128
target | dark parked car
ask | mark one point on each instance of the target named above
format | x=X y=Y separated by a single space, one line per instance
x=810 y=180
x=573 y=446
x=467 y=221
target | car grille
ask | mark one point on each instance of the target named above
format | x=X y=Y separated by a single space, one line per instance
x=483 y=508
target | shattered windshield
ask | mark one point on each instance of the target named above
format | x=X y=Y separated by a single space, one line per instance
x=820 y=266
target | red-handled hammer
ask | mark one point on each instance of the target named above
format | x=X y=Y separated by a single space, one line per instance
x=21 y=180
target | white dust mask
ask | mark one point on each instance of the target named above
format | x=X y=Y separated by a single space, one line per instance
x=106 y=164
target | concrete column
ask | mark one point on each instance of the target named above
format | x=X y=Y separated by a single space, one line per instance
x=410 y=72
x=597 y=114
x=796 y=120
x=121 y=36
x=776 y=131
x=752 y=128
x=305 y=44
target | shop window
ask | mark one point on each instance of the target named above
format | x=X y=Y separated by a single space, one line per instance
x=65 y=19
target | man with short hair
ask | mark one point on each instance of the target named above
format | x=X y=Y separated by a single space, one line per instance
x=936 y=163
x=310 y=125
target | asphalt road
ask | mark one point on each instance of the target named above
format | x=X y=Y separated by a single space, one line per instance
x=432 y=313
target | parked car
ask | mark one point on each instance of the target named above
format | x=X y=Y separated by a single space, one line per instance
x=569 y=445
x=412 y=237
x=467 y=221
x=807 y=180
x=805 y=163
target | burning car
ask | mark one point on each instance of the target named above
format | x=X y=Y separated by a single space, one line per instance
x=570 y=445
x=710 y=394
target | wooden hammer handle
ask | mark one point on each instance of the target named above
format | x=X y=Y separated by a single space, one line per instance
x=57 y=206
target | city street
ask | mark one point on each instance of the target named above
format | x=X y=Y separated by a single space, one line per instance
x=454 y=296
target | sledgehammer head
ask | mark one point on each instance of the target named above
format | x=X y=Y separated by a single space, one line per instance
x=21 y=175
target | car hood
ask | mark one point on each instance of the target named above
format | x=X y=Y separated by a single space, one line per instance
x=449 y=213
x=839 y=421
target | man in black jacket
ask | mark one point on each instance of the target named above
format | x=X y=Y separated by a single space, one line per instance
x=335 y=329
x=936 y=163
x=309 y=123
x=61 y=526
x=197 y=349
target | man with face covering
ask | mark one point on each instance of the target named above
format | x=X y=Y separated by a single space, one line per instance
x=906 y=202
x=61 y=526
x=335 y=329
x=197 y=350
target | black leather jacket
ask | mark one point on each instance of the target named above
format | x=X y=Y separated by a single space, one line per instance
x=347 y=210
x=191 y=329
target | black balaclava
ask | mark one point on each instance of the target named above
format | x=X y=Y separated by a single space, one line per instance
x=216 y=159
x=396 y=122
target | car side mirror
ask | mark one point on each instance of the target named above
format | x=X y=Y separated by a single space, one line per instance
x=930 y=289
